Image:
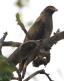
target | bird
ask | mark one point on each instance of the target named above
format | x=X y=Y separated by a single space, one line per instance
x=43 y=26
x=41 y=29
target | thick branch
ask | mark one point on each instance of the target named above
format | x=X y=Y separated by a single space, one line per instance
x=33 y=47
x=29 y=50
x=49 y=42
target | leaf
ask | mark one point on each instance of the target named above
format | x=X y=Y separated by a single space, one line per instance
x=22 y=3
x=5 y=66
x=19 y=21
x=6 y=69
x=18 y=18
x=5 y=76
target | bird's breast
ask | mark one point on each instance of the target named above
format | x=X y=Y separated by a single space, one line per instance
x=49 y=25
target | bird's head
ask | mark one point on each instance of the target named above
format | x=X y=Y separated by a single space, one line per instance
x=50 y=9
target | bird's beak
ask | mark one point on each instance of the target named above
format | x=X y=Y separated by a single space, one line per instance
x=56 y=9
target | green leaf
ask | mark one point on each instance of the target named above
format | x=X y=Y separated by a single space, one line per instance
x=22 y=3
x=18 y=17
x=6 y=69
x=5 y=76
x=5 y=66
x=19 y=21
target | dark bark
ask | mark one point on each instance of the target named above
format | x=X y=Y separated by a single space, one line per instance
x=2 y=41
x=11 y=43
x=38 y=72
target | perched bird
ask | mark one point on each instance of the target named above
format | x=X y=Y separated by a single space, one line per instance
x=43 y=25
x=42 y=28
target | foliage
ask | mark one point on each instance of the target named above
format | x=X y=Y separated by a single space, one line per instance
x=5 y=65
x=5 y=76
x=22 y=3
x=18 y=18
x=6 y=69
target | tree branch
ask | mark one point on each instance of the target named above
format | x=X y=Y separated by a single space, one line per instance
x=35 y=46
x=49 y=42
x=38 y=72
x=29 y=50
x=42 y=71
x=11 y=43
x=2 y=41
x=22 y=25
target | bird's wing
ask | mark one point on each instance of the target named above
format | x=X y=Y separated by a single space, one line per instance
x=26 y=48
x=37 y=29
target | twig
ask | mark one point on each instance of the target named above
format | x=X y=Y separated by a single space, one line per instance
x=2 y=41
x=11 y=43
x=34 y=74
x=19 y=75
x=48 y=77
x=38 y=72
x=22 y=25
x=14 y=78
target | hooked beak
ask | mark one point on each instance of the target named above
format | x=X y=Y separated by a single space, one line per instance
x=56 y=9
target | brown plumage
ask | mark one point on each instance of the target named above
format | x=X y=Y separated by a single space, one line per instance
x=43 y=25
x=42 y=28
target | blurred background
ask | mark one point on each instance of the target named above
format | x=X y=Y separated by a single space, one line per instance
x=29 y=13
